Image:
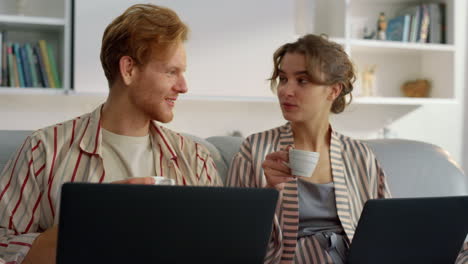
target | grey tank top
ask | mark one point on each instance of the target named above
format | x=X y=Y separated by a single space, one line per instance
x=318 y=217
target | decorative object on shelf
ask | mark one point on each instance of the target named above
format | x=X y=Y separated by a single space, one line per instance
x=417 y=88
x=368 y=35
x=20 y=6
x=368 y=81
x=382 y=27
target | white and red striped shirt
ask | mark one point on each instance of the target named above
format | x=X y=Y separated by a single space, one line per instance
x=71 y=152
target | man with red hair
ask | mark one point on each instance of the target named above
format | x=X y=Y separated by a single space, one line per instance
x=144 y=61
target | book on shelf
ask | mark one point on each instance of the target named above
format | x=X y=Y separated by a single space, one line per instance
x=437 y=22
x=40 y=62
x=47 y=63
x=33 y=66
x=398 y=28
x=19 y=65
x=25 y=64
x=28 y=65
x=53 y=66
x=426 y=23
x=12 y=67
x=424 y=28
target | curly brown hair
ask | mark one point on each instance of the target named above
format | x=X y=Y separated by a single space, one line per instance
x=141 y=32
x=327 y=64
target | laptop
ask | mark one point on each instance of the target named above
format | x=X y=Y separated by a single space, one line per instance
x=115 y=223
x=410 y=230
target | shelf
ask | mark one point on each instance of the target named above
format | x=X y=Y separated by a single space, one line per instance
x=408 y=2
x=356 y=100
x=364 y=45
x=401 y=101
x=241 y=99
x=13 y=21
x=256 y=99
x=36 y=91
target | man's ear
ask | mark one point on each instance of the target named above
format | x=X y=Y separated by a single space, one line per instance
x=127 y=68
x=335 y=91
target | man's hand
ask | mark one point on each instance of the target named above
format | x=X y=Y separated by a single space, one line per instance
x=138 y=180
x=276 y=172
x=44 y=247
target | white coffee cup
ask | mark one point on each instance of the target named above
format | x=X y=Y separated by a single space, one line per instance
x=302 y=162
x=160 y=180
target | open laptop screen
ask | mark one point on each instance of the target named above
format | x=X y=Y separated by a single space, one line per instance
x=410 y=230
x=113 y=223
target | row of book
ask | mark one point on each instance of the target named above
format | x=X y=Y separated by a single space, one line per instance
x=28 y=65
x=424 y=23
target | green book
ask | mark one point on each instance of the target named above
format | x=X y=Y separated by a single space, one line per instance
x=53 y=66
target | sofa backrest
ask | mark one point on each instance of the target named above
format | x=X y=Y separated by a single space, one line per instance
x=418 y=169
x=413 y=169
x=10 y=141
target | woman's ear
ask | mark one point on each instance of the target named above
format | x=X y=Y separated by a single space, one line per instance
x=127 y=68
x=335 y=91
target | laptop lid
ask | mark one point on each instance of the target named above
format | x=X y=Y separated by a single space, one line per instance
x=113 y=223
x=410 y=230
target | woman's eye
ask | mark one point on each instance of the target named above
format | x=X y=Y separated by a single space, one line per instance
x=282 y=79
x=302 y=81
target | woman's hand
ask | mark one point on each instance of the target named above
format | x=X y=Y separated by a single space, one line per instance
x=275 y=169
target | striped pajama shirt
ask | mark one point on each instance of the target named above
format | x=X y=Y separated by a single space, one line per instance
x=71 y=152
x=357 y=177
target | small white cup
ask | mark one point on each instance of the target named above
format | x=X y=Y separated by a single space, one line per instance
x=302 y=162
x=160 y=180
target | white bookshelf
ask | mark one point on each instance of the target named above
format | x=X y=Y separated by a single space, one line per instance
x=40 y=19
x=397 y=62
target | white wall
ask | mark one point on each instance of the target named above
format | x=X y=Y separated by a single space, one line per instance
x=229 y=50
x=237 y=62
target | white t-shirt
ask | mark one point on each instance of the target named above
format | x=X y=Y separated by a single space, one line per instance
x=125 y=157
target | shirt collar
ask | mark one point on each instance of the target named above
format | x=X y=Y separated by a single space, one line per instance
x=92 y=136
x=91 y=142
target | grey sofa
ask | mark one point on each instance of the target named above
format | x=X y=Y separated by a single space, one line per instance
x=414 y=169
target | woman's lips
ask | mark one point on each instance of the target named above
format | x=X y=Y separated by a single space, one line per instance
x=289 y=106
